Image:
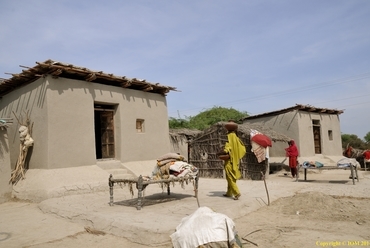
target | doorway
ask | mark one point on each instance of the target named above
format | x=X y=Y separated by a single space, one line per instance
x=317 y=136
x=104 y=131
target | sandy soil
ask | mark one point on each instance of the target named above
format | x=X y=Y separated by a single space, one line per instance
x=311 y=219
x=321 y=214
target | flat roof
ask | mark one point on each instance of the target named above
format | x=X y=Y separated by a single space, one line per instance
x=299 y=107
x=58 y=69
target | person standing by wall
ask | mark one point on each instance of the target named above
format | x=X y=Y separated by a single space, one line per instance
x=292 y=153
x=234 y=150
x=366 y=155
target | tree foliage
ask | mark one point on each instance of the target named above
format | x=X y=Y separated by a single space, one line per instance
x=354 y=141
x=178 y=123
x=367 y=138
x=207 y=118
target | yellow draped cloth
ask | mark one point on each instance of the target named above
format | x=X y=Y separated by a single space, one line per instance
x=236 y=150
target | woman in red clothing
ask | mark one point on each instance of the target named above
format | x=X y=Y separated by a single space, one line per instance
x=292 y=153
x=366 y=154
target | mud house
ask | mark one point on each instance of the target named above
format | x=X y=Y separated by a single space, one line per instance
x=83 y=117
x=316 y=131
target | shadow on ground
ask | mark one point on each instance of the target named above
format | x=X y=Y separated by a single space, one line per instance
x=325 y=181
x=153 y=199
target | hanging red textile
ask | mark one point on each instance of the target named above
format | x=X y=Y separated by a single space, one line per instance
x=262 y=140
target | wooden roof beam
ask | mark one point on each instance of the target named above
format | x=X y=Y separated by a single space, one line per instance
x=43 y=64
x=23 y=66
x=126 y=84
x=148 y=88
x=20 y=75
x=90 y=77
x=165 y=91
x=57 y=72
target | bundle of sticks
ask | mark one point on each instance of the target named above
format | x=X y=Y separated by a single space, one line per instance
x=26 y=141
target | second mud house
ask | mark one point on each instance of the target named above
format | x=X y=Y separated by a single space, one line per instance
x=316 y=131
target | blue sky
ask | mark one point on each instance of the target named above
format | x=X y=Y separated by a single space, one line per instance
x=252 y=55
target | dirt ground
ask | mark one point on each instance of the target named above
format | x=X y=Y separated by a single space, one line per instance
x=318 y=214
x=308 y=219
x=311 y=219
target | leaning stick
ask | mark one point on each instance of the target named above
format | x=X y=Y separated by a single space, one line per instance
x=196 y=190
x=267 y=192
x=250 y=241
x=20 y=123
x=244 y=238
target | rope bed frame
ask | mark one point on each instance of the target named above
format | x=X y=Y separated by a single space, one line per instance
x=353 y=169
x=141 y=184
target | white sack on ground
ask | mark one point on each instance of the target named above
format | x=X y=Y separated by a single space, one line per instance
x=202 y=227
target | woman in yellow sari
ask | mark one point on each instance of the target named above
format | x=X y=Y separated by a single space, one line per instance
x=235 y=148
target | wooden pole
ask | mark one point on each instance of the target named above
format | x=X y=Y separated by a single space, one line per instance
x=267 y=192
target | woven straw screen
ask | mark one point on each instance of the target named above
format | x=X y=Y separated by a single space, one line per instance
x=203 y=149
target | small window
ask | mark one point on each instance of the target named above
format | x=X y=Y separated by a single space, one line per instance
x=140 y=126
x=330 y=134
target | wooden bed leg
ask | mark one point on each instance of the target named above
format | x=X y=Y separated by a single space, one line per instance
x=356 y=174
x=352 y=174
x=139 y=192
x=305 y=174
x=196 y=189
x=297 y=176
x=196 y=186
x=168 y=189
x=110 y=183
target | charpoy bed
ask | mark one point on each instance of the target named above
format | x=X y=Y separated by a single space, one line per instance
x=142 y=182
x=342 y=164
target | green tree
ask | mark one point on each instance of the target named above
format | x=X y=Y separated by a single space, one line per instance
x=353 y=140
x=367 y=138
x=178 y=123
x=207 y=118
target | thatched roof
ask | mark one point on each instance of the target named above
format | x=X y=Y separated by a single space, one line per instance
x=175 y=133
x=58 y=69
x=299 y=107
x=246 y=129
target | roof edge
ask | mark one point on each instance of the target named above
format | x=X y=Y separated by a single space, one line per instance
x=58 y=69
x=299 y=107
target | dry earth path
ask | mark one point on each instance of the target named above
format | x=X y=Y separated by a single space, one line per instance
x=326 y=211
